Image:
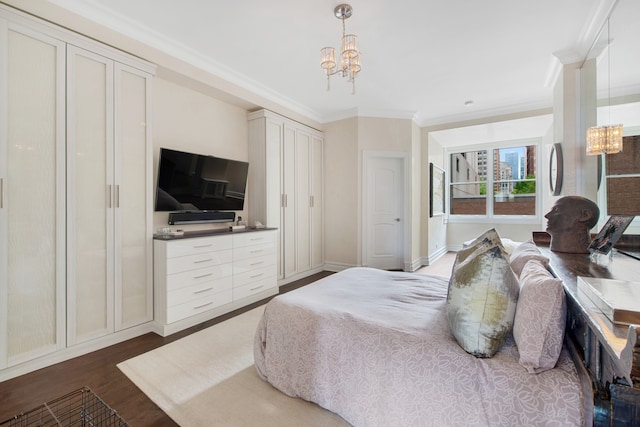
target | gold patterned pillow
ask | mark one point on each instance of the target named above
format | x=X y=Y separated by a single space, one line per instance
x=482 y=296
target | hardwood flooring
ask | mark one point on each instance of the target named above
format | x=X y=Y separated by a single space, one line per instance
x=98 y=371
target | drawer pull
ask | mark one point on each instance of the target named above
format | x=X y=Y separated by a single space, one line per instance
x=202 y=290
x=202 y=246
x=202 y=260
x=202 y=306
x=257 y=275
x=257 y=238
x=257 y=251
x=202 y=275
x=256 y=288
x=257 y=263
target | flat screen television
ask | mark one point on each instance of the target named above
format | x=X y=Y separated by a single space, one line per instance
x=195 y=182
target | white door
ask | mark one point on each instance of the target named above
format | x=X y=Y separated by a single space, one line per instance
x=384 y=212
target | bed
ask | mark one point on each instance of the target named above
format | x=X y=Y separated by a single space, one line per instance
x=374 y=347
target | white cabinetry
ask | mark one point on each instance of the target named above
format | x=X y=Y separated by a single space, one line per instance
x=286 y=178
x=75 y=194
x=109 y=277
x=200 y=278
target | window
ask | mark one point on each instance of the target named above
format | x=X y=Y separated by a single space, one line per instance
x=509 y=173
x=623 y=178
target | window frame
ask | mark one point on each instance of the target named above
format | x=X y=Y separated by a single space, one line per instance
x=602 y=195
x=489 y=217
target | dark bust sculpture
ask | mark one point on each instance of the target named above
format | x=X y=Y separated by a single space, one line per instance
x=569 y=223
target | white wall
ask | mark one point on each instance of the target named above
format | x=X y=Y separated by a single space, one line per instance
x=186 y=120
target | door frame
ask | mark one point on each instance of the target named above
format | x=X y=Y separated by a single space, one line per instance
x=367 y=156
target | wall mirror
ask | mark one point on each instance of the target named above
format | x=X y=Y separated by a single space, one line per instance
x=616 y=53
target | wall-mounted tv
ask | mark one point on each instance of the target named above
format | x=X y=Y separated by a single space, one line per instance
x=195 y=182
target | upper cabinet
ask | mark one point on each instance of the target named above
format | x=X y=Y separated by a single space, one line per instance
x=285 y=182
x=75 y=191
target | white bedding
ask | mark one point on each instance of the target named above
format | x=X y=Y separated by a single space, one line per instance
x=374 y=347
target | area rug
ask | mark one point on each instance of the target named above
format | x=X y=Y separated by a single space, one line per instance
x=208 y=379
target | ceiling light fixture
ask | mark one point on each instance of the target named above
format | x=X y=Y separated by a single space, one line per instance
x=349 y=53
x=605 y=139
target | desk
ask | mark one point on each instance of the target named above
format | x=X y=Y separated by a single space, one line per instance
x=611 y=353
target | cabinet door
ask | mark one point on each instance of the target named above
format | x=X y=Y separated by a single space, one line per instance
x=132 y=199
x=288 y=217
x=317 y=202
x=91 y=195
x=32 y=210
x=303 y=201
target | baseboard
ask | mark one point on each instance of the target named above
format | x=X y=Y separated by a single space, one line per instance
x=302 y=275
x=336 y=267
x=437 y=255
x=75 y=351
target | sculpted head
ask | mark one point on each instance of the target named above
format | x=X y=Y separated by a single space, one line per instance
x=569 y=223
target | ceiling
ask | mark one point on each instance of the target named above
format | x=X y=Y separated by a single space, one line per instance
x=421 y=59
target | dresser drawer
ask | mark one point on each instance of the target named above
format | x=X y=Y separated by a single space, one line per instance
x=254 y=287
x=254 y=275
x=254 y=238
x=201 y=275
x=198 y=245
x=199 y=291
x=249 y=264
x=198 y=261
x=191 y=308
x=254 y=251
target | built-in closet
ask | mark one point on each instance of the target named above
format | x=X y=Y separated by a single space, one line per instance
x=285 y=189
x=75 y=194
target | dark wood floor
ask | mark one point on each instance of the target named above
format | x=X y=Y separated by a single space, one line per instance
x=98 y=371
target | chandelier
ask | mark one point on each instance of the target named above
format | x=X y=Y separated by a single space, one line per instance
x=349 y=53
x=604 y=140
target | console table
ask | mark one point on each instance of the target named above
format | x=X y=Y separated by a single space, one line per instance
x=610 y=353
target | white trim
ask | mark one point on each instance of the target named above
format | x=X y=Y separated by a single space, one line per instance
x=337 y=266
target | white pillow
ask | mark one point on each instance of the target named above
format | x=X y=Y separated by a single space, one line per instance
x=538 y=327
x=523 y=253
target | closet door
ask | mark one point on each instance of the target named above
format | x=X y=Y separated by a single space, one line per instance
x=91 y=195
x=288 y=199
x=317 y=202
x=302 y=184
x=32 y=194
x=132 y=199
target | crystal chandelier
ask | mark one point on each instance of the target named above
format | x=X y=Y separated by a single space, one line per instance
x=604 y=140
x=349 y=53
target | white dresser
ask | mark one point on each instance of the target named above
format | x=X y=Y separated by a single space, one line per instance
x=199 y=278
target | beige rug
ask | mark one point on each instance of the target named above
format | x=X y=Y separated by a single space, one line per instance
x=208 y=379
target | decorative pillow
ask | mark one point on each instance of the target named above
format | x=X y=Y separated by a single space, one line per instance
x=539 y=324
x=482 y=296
x=523 y=253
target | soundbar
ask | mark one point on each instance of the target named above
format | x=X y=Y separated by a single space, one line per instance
x=200 y=217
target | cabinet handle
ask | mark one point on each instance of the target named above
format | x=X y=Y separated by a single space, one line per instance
x=255 y=239
x=311 y=201
x=202 y=290
x=256 y=288
x=109 y=196
x=202 y=275
x=257 y=263
x=256 y=251
x=202 y=246
x=1 y=193
x=118 y=196
x=257 y=275
x=202 y=306
x=202 y=260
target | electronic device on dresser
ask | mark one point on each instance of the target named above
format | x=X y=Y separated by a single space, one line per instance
x=200 y=188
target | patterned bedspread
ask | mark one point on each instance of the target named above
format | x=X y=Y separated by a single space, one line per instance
x=374 y=347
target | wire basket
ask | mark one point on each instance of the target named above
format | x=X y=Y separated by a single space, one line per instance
x=78 y=408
